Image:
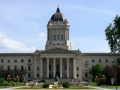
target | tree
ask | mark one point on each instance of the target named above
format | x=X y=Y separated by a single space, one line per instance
x=109 y=73
x=97 y=71
x=113 y=35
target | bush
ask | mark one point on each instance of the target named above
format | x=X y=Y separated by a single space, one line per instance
x=5 y=83
x=66 y=85
x=45 y=85
x=12 y=83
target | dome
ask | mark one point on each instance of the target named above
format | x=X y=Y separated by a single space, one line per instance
x=57 y=16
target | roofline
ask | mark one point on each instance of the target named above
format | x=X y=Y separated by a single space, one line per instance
x=100 y=54
x=19 y=54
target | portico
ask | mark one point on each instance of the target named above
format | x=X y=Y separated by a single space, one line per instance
x=64 y=68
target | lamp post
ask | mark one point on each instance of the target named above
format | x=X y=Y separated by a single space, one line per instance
x=9 y=78
x=17 y=80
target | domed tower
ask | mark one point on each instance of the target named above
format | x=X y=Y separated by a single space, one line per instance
x=58 y=32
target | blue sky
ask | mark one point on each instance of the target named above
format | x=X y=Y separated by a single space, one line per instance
x=23 y=23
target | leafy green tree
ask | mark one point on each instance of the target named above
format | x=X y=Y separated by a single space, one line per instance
x=113 y=35
x=97 y=71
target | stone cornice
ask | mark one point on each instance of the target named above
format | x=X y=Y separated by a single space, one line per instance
x=100 y=54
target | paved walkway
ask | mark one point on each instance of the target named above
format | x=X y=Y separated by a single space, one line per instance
x=96 y=88
x=6 y=89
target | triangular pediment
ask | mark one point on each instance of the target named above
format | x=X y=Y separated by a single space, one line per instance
x=59 y=50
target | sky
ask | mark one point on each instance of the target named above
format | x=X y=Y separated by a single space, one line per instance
x=23 y=23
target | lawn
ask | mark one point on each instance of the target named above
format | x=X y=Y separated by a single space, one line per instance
x=111 y=87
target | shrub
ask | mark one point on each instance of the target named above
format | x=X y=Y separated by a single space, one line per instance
x=5 y=83
x=66 y=85
x=12 y=83
x=45 y=85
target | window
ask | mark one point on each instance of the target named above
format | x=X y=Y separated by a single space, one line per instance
x=8 y=61
x=37 y=68
x=106 y=60
x=57 y=67
x=99 y=60
x=37 y=75
x=77 y=75
x=61 y=37
x=86 y=75
x=93 y=60
x=54 y=37
x=2 y=60
x=8 y=68
x=22 y=60
x=65 y=67
x=1 y=67
x=22 y=68
x=15 y=67
x=29 y=60
x=29 y=75
x=113 y=62
x=77 y=68
x=58 y=37
x=50 y=67
x=29 y=68
x=15 y=61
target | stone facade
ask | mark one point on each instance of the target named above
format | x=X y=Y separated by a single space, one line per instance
x=58 y=59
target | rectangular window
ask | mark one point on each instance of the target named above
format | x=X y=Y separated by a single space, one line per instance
x=38 y=75
x=15 y=61
x=29 y=68
x=54 y=37
x=106 y=60
x=50 y=67
x=93 y=60
x=22 y=68
x=99 y=60
x=37 y=68
x=1 y=67
x=8 y=68
x=77 y=68
x=58 y=37
x=8 y=61
x=2 y=60
x=15 y=67
x=77 y=75
x=29 y=75
x=61 y=37
x=65 y=67
x=22 y=60
x=29 y=60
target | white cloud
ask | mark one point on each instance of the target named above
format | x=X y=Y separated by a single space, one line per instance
x=14 y=44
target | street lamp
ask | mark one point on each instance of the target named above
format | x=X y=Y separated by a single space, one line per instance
x=9 y=78
x=17 y=79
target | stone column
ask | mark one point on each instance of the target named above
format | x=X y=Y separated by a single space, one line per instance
x=41 y=68
x=74 y=68
x=47 y=68
x=60 y=67
x=67 y=68
x=54 y=67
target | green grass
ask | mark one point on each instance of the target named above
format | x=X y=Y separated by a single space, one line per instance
x=78 y=87
x=111 y=87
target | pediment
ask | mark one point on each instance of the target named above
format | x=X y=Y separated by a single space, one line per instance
x=59 y=50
